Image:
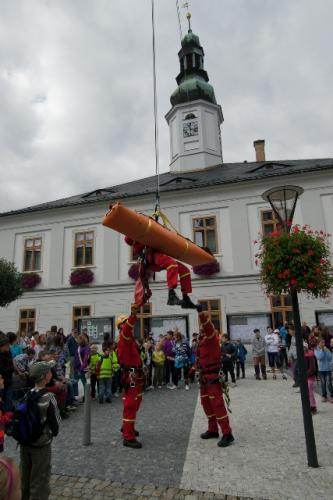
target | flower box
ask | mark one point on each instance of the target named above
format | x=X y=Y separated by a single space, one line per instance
x=30 y=280
x=81 y=277
x=207 y=269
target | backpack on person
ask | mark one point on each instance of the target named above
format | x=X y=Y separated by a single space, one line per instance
x=25 y=426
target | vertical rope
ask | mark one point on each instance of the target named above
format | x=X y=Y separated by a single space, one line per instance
x=157 y=168
x=179 y=23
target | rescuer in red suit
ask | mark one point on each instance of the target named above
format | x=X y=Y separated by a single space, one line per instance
x=157 y=262
x=131 y=376
x=208 y=364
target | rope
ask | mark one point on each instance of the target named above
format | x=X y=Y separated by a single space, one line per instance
x=157 y=168
x=179 y=23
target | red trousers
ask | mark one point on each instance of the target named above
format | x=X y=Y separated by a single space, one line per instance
x=132 y=397
x=174 y=269
x=213 y=404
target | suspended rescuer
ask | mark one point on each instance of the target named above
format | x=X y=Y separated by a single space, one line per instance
x=156 y=262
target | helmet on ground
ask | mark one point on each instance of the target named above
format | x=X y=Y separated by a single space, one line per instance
x=121 y=319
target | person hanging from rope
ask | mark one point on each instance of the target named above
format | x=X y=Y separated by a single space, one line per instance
x=131 y=375
x=156 y=261
x=213 y=388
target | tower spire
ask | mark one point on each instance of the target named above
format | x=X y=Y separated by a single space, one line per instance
x=188 y=15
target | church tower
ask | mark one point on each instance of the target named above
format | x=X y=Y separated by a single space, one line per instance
x=195 y=118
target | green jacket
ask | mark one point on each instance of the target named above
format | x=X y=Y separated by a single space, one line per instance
x=94 y=358
x=105 y=367
x=115 y=363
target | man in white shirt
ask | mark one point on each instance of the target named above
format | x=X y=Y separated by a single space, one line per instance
x=272 y=343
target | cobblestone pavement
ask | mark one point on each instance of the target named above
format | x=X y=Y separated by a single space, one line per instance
x=65 y=487
x=164 y=422
x=268 y=458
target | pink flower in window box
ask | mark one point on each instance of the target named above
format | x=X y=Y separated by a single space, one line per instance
x=30 y=280
x=207 y=269
x=81 y=277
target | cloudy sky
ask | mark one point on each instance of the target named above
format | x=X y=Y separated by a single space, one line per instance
x=76 y=89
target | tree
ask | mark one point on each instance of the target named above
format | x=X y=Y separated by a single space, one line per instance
x=10 y=283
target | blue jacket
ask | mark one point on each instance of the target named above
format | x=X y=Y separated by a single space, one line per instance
x=324 y=360
x=241 y=352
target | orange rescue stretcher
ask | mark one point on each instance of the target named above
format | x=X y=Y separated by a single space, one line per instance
x=144 y=229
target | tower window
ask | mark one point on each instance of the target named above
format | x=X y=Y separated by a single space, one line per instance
x=189 y=61
x=189 y=116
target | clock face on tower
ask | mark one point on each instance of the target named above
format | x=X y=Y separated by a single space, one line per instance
x=190 y=129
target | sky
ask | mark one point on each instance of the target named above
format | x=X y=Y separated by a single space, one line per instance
x=76 y=87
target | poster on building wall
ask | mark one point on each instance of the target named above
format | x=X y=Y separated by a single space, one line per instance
x=242 y=326
x=160 y=325
x=325 y=319
x=97 y=328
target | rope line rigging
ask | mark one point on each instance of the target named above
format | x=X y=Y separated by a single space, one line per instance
x=157 y=168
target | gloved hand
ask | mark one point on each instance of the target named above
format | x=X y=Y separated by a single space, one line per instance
x=135 y=309
x=199 y=308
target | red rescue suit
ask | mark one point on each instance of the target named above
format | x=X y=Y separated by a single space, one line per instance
x=131 y=378
x=209 y=364
x=158 y=262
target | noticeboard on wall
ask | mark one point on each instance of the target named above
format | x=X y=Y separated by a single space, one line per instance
x=97 y=328
x=161 y=324
x=241 y=326
x=325 y=318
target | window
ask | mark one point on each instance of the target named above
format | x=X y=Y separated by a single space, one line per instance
x=32 y=254
x=142 y=326
x=268 y=222
x=213 y=309
x=84 y=249
x=78 y=313
x=282 y=310
x=27 y=321
x=205 y=232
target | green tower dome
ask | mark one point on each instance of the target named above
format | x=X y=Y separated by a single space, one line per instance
x=192 y=79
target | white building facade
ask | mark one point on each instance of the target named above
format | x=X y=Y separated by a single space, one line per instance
x=217 y=205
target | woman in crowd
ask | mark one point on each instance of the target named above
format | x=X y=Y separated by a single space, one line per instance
x=81 y=360
x=182 y=355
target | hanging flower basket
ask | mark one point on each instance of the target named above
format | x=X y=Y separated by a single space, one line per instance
x=30 y=280
x=81 y=277
x=207 y=269
x=133 y=272
x=299 y=260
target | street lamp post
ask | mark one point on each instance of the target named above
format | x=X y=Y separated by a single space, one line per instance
x=283 y=202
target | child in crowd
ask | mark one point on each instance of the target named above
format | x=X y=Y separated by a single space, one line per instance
x=311 y=375
x=6 y=371
x=15 y=347
x=116 y=377
x=5 y=417
x=94 y=358
x=104 y=371
x=241 y=353
x=36 y=458
x=158 y=360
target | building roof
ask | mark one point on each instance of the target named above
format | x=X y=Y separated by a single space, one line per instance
x=225 y=174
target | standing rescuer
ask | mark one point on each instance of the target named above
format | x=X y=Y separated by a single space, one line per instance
x=131 y=376
x=208 y=364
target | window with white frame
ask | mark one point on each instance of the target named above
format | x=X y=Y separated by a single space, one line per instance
x=84 y=248
x=32 y=260
x=205 y=232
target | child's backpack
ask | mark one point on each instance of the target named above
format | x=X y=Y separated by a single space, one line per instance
x=25 y=426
